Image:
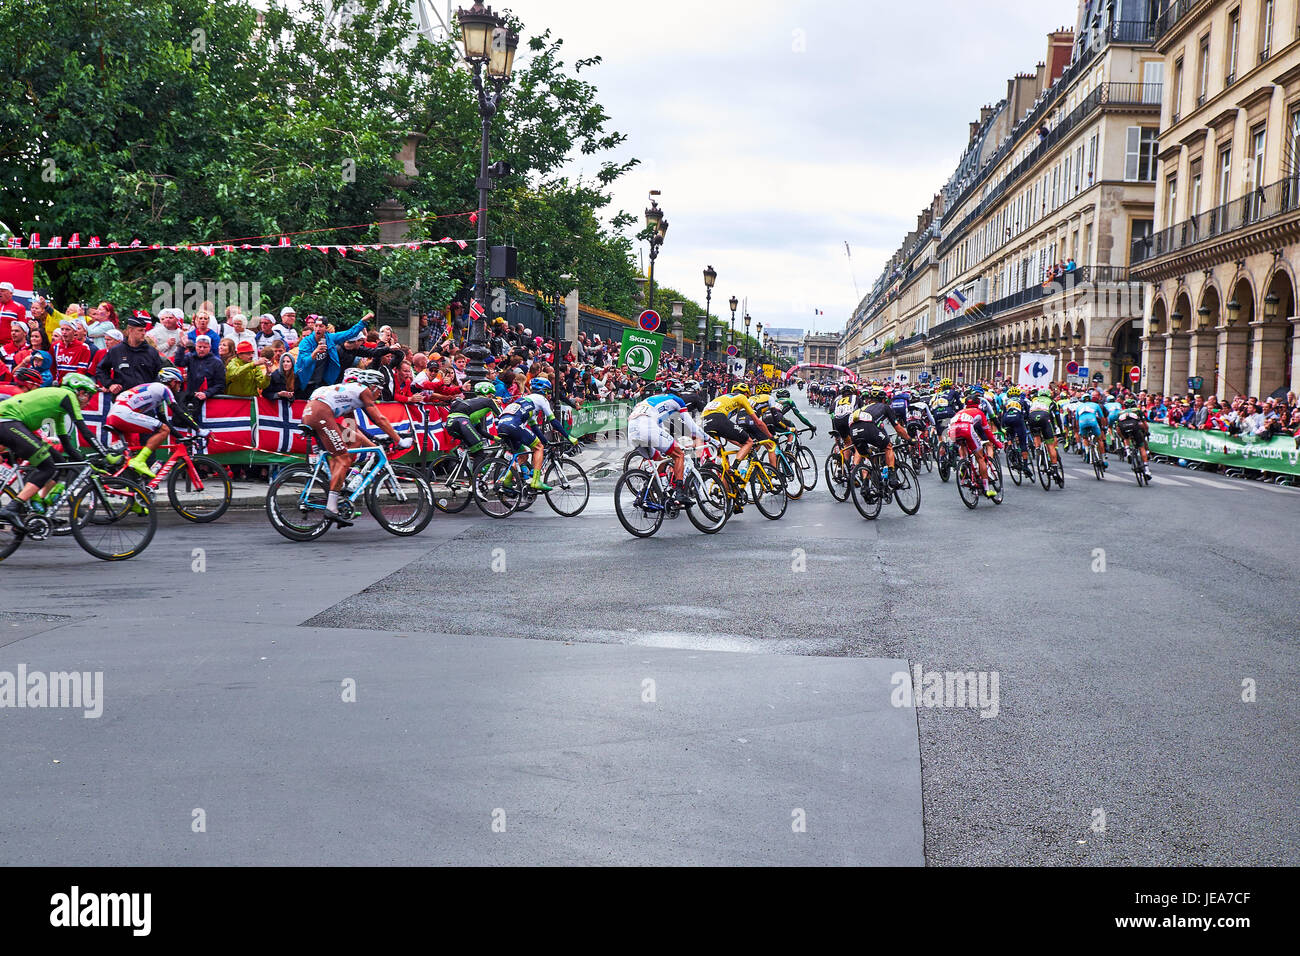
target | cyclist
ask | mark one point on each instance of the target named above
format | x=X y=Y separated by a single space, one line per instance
x=135 y=412
x=330 y=403
x=717 y=423
x=22 y=416
x=919 y=417
x=1113 y=408
x=943 y=406
x=867 y=429
x=1133 y=430
x=646 y=426
x=513 y=426
x=971 y=428
x=1091 y=419
x=845 y=405
x=1014 y=421
x=465 y=413
x=774 y=415
x=24 y=380
x=1045 y=422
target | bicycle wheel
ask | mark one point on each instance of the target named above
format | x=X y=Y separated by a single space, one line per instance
x=450 y=484
x=995 y=481
x=401 y=502
x=1044 y=468
x=129 y=533
x=908 y=493
x=494 y=497
x=637 y=503
x=570 y=489
x=837 y=477
x=202 y=500
x=1097 y=465
x=10 y=539
x=638 y=457
x=862 y=490
x=944 y=464
x=768 y=491
x=927 y=457
x=294 y=512
x=712 y=505
x=1013 y=467
x=790 y=474
x=967 y=486
x=808 y=462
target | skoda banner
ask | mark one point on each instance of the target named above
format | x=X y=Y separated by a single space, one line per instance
x=640 y=352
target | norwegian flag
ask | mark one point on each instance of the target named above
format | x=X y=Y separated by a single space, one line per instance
x=277 y=426
x=397 y=416
x=96 y=414
x=432 y=434
x=476 y=310
x=233 y=423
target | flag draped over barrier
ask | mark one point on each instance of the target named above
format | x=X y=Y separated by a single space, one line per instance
x=265 y=431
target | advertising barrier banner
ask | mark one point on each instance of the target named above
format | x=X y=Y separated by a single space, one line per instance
x=1278 y=455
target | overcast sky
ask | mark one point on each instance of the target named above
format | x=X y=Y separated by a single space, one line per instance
x=779 y=130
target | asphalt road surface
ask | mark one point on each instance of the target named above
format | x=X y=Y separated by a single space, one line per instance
x=549 y=690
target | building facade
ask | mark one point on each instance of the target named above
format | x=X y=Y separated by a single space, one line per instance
x=1026 y=248
x=1220 y=317
x=787 y=343
x=822 y=349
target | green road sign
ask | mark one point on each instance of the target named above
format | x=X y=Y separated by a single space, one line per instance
x=640 y=352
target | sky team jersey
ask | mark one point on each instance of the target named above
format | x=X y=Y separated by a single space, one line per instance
x=727 y=404
x=146 y=398
x=844 y=406
x=343 y=399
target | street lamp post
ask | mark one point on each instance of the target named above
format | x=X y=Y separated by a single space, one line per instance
x=488 y=43
x=747 y=350
x=702 y=339
x=710 y=277
x=658 y=228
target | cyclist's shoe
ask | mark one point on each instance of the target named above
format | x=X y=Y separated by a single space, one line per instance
x=1104 y=464
x=508 y=480
x=140 y=464
x=537 y=484
x=338 y=519
x=894 y=480
x=13 y=513
x=681 y=497
x=1146 y=471
x=991 y=491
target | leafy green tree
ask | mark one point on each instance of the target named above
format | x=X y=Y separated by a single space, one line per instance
x=178 y=121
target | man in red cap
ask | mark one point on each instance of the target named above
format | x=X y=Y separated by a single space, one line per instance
x=246 y=375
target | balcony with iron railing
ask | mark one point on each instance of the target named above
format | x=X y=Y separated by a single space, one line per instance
x=1106 y=94
x=1120 y=31
x=1172 y=14
x=1068 y=282
x=1259 y=205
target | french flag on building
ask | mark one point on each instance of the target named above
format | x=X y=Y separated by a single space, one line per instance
x=955 y=302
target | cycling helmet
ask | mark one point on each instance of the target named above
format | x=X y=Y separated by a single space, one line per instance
x=1130 y=403
x=76 y=382
x=740 y=388
x=848 y=389
x=28 y=376
x=782 y=393
x=171 y=374
x=876 y=393
x=1043 y=393
x=671 y=385
x=369 y=377
x=976 y=390
x=484 y=388
x=1014 y=391
x=540 y=384
x=945 y=383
